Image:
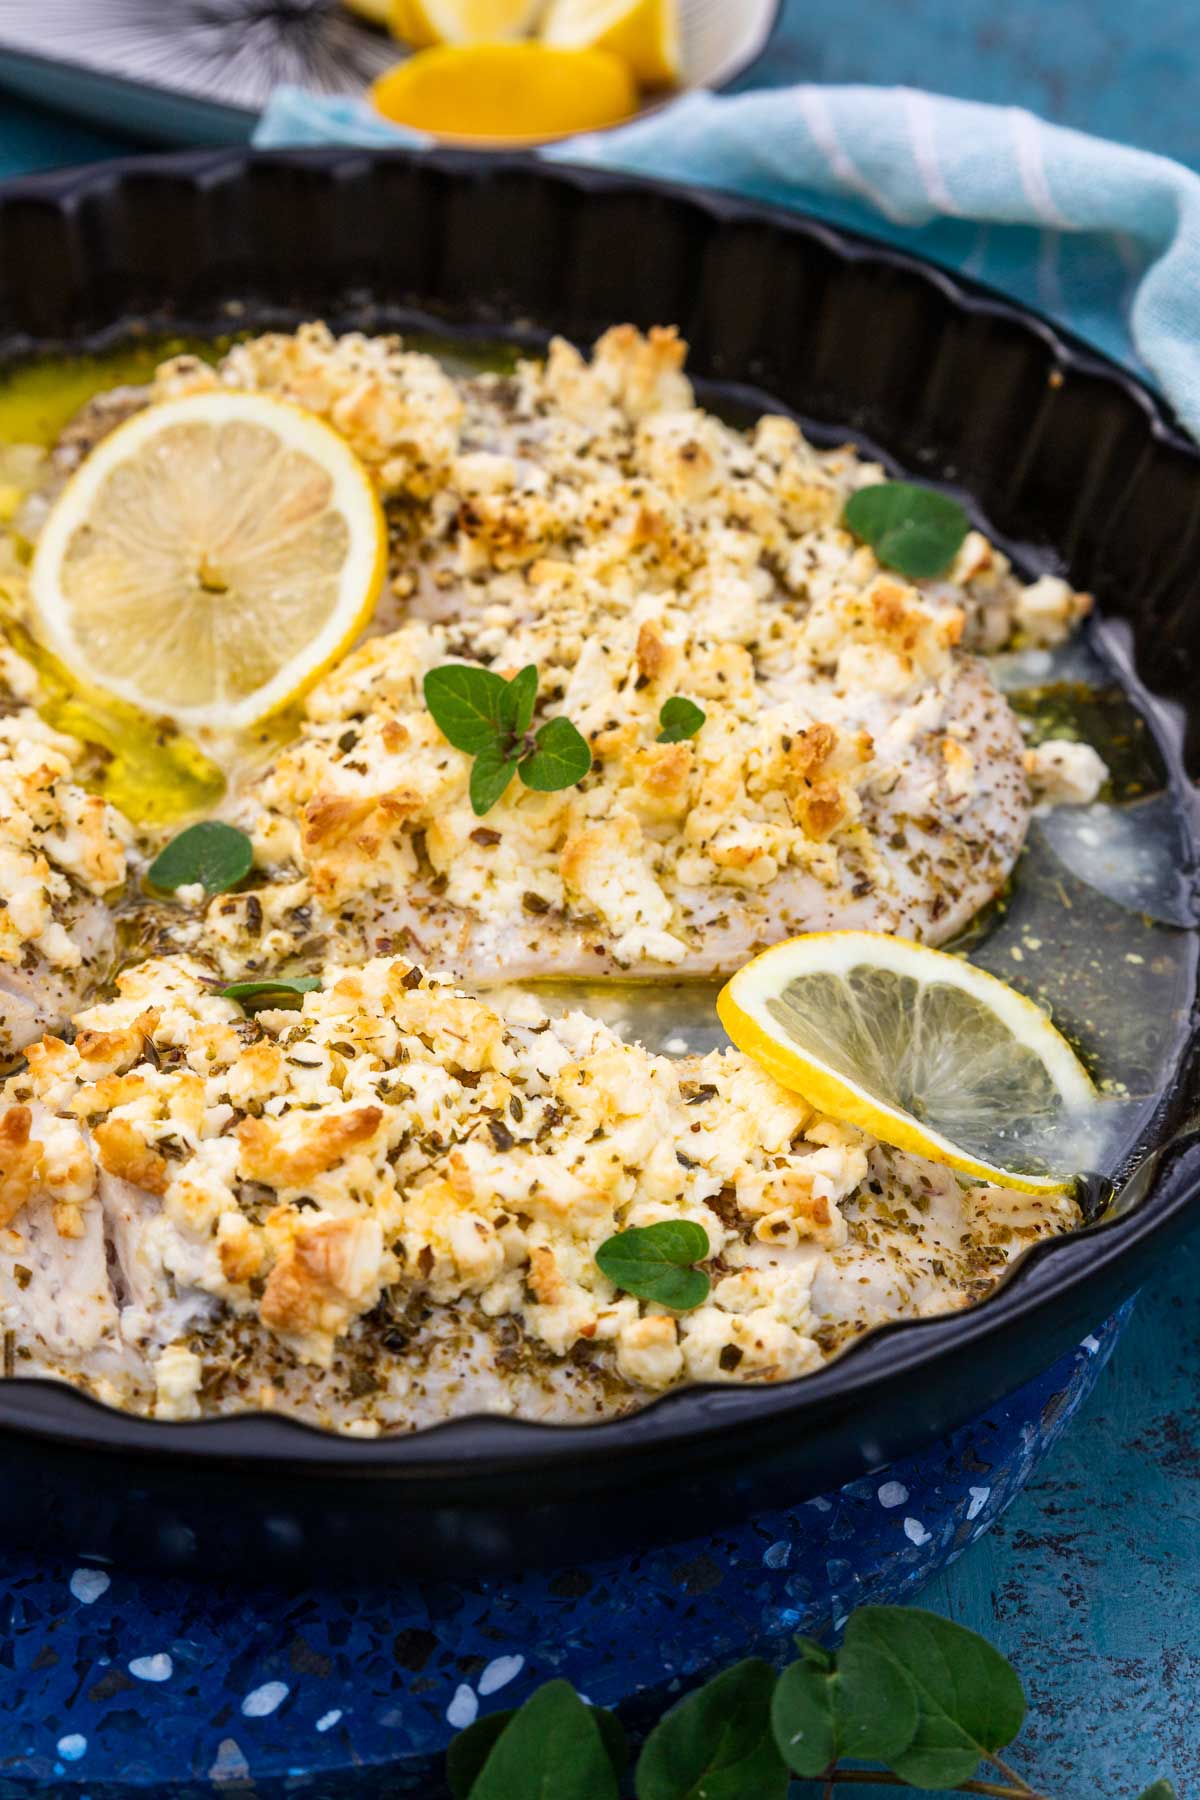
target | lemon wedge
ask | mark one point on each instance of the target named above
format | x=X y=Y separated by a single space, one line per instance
x=514 y=92
x=426 y=22
x=643 y=33
x=919 y=1048
x=210 y=558
x=377 y=12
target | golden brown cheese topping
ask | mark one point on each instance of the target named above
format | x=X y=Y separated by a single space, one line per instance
x=398 y=1141
x=386 y=1207
x=853 y=768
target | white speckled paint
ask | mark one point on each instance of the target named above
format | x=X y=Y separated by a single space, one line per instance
x=262 y=1701
x=87 y=1585
x=499 y=1672
x=152 y=1668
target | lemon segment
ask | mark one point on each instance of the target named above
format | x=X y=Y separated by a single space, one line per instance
x=426 y=22
x=377 y=12
x=210 y=558
x=922 y=1050
x=514 y=92
x=643 y=33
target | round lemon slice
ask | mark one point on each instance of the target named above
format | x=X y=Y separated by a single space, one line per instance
x=210 y=558
x=643 y=33
x=919 y=1048
x=426 y=22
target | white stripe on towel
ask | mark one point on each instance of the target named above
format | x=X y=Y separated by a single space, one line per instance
x=924 y=143
x=1028 y=144
x=819 y=120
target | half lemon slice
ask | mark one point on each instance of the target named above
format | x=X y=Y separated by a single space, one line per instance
x=426 y=22
x=919 y=1048
x=643 y=33
x=210 y=558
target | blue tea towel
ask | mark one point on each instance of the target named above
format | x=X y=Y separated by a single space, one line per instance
x=1102 y=237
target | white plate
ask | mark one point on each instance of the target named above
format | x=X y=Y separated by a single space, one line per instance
x=200 y=71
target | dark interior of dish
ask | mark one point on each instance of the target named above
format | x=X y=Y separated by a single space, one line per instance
x=1071 y=465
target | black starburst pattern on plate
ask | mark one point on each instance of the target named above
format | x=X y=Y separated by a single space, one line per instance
x=232 y=52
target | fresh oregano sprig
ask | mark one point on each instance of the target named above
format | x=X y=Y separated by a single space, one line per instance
x=212 y=853
x=925 y=1698
x=915 y=530
x=489 y=718
x=655 y=1262
x=679 y=719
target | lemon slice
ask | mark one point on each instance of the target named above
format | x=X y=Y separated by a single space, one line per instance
x=425 y=22
x=513 y=92
x=210 y=558
x=921 y=1049
x=643 y=33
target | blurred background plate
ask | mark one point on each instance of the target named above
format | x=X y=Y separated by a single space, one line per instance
x=200 y=71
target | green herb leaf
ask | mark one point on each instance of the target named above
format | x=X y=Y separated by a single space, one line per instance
x=561 y=759
x=216 y=855
x=875 y=1707
x=491 y=773
x=468 y=1752
x=518 y=700
x=467 y=705
x=802 y=1719
x=969 y=1699
x=281 y=991
x=679 y=719
x=910 y=528
x=654 y=1262
x=812 y=1652
x=716 y=1744
x=1159 y=1790
x=552 y=1749
x=864 y=1707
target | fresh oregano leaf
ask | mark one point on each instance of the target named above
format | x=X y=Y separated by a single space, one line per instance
x=518 y=700
x=969 y=1698
x=466 y=703
x=717 y=1744
x=216 y=855
x=552 y=1749
x=812 y=1652
x=875 y=1707
x=469 y=1751
x=654 y=1262
x=281 y=991
x=1159 y=1790
x=491 y=773
x=863 y=1707
x=802 y=1719
x=561 y=759
x=679 y=719
x=912 y=529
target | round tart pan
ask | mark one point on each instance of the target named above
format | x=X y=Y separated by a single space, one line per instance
x=1075 y=467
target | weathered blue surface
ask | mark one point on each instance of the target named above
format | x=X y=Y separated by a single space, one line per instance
x=1092 y=1580
x=120 y=1682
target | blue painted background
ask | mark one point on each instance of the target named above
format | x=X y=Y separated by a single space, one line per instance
x=1092 y=1580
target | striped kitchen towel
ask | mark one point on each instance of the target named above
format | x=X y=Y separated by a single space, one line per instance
x=1101 y=237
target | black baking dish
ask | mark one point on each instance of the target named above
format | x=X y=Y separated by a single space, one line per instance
x=1073 y=465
